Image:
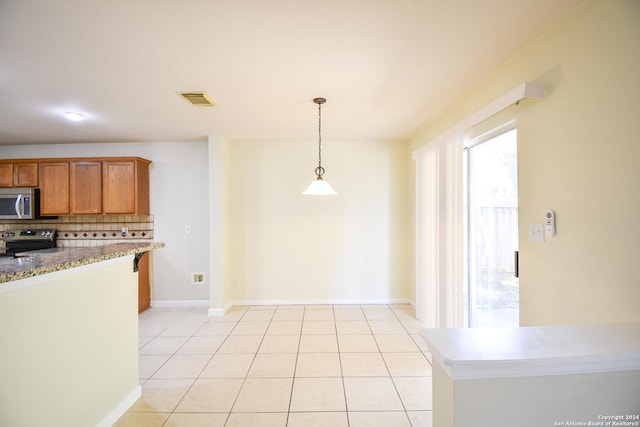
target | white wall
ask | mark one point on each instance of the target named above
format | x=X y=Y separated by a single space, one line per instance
x=578 y=154
x=533 y=401
x=179 y=197
x=286 y=246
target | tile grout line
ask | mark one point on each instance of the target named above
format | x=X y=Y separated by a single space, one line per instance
x=295 y=367
x=205 y=366
x=246 y=375
x=159 y=335
x=387 y=366
x=174 y=353
x=344 y=387
x=395 y=386
x=173 y=411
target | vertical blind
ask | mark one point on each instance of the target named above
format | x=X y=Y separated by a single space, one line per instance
x=439 y=260
x=439 y=225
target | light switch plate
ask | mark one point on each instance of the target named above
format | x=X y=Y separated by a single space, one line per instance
x=536 y=232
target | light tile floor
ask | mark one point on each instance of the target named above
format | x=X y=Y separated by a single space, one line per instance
x=293 y=366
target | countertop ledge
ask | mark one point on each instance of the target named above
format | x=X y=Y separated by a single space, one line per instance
x=50 y=260
x=482 y=353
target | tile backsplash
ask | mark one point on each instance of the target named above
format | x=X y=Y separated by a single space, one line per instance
x=90 y=230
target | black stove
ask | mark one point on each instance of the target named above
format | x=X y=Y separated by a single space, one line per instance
x=18 y=241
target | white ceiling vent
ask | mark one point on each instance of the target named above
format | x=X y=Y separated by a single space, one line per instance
x=199 y=99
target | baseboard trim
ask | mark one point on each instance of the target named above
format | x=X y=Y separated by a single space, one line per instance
x=220 y=311
x=358 y=301
x=121 y=408
x=180 y=303
x=223 y=310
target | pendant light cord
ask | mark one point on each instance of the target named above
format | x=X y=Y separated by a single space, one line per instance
x=320 y=136
x=319 y=187
x=319 y=170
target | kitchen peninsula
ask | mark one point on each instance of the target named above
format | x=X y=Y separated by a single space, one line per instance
x=69 y=335
x=535 y=376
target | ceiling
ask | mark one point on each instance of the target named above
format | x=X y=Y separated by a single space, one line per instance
x=385 y=66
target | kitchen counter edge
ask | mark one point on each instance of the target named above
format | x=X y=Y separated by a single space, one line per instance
x=532 y=351
x=51 y=260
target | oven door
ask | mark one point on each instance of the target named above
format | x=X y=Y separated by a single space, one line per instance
x=16 y=204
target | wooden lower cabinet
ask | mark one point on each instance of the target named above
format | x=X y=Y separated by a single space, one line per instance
x=144 y=283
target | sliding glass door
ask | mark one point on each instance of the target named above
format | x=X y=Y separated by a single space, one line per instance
x=491 y=296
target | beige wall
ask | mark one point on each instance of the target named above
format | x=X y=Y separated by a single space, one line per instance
x=285 y=246
x=578 y=155
x=69 y=346
x=219 y=225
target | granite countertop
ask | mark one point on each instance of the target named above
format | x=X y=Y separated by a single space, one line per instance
x=45 y=261
x=476 y=353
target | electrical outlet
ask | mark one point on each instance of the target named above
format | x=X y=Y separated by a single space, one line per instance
x=125 y=231
x=329 y=280
x=197 y=278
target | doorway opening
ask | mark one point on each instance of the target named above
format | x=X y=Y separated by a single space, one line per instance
x=491 y=289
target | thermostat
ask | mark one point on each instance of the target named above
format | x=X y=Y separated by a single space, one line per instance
x=550 y=223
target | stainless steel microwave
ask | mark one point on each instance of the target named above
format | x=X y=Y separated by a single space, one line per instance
x=19 y=203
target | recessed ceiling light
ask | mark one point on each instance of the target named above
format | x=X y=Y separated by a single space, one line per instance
x=74 y=117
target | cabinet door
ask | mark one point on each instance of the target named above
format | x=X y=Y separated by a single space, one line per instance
x=54 y=188
x=119 y=195
x=85 y=186
x=6 y=175
x=25 y=175
x=144 y=283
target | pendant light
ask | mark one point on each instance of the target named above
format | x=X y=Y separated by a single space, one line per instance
x=319 y=187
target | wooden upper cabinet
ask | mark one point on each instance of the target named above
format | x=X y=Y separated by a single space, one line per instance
x=54 y=188
x=25 y=175
x=6 y=175
x=125 y=187
x=19 y=174
x=85 y=187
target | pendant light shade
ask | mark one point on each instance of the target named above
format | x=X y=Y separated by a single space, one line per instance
x=319 y=187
